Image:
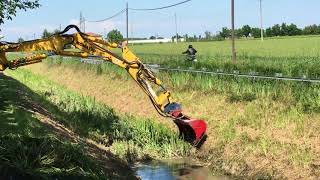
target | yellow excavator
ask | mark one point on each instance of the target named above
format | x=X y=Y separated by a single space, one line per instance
x=191 y=130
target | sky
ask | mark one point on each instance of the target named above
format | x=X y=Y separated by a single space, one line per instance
x=193 y=18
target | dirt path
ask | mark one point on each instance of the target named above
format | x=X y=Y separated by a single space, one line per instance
x=100 y=153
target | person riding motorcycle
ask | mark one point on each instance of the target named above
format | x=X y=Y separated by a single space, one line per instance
x=191 y=53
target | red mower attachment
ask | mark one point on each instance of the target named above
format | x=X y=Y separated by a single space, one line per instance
x=192 y=130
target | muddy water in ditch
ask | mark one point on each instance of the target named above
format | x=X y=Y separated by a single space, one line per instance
x=177 y=169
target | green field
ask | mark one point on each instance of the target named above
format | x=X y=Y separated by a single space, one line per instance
x=291 y=56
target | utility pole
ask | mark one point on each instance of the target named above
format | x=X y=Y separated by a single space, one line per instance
x=234 y=57
x=175 y=20
x=131 y=28
x=80 y=21
x=261 y=22
x=83 y=24
x=127 y=12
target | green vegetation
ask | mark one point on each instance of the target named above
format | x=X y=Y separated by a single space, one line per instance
x=303 y=96
x=250 y=121
x=262 y=109
x=8 y=9
x=293 y=57
x=40 y=153
x=93 y=120
x=270 y=119
x=254 y=32
x=29 y=149
x=115 y=36
x=47 y=34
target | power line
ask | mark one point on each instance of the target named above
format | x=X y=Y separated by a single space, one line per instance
x=108 y=18
x=164 y=7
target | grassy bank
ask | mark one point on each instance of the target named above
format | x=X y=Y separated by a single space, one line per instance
x=31 y=149
x=256 y=128
x=127 y=135
x=42 y=154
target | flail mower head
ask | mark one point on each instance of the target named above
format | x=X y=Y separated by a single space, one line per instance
x=192 y=130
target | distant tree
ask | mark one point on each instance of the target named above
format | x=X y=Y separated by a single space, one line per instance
x=238 y=33
x=225 y=32
x=179 y=37
x=311 y=30
x=174 y=38
x=46 y=34
x=20 y=40
x=276 y=30
x=207 y=35
x=217 y=37
x=246 y=30
x=186 y=37
x=115 y=36
x=56 y=31
x=284 y=30
x=256 y=32
x=152 y=37
x=192 y=38
x=293 y=30
x=269 y=32
x=8 y=8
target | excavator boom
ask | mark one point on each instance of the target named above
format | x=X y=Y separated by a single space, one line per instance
x=192 y=130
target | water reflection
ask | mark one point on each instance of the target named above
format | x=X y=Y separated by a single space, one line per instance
x=169 y=170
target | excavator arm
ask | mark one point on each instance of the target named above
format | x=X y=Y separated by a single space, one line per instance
x=192 y=130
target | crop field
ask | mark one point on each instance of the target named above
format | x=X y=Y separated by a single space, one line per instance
x=291 y=56
x=257 y=128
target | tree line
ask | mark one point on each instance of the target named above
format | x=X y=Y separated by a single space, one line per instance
x=276 y=30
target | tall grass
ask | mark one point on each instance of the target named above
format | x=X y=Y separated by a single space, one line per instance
x=302 y=95
x=96 y=121
x=30 y=150
x=45 y=158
